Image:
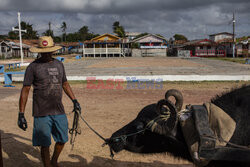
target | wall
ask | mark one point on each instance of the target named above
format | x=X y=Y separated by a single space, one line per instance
x=149 y=52
x=222 y=36
x=183 y=53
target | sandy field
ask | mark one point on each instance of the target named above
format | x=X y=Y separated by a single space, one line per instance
x=106 y=111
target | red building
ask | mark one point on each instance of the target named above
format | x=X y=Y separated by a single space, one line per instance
x=204 y=48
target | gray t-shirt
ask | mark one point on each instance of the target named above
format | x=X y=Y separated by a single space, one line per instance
x=47 y=79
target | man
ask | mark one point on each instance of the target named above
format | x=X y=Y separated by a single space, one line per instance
x=47 y=75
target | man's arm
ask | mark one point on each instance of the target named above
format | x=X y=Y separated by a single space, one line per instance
x=22 y=123
x=23 y=98
x=67 y=89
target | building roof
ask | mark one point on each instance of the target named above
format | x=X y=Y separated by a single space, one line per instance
x=221 y=33
x=148 y=35
x=132 y=33
x=68 y=44
x=29 y=42
x=200 y=42
x=109 y=37
x=225 y=40
x=15 y=45
x=179 y=42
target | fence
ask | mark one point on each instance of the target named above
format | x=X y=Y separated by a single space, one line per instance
x=208 y=53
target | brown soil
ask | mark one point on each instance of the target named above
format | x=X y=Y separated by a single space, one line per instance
x=106 y=111
x=145 y=62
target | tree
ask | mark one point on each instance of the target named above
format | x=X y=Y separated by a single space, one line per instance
x=13 y=35
x=180 y=37
x=49 y=33
x=119 y=30
x=3 y=37
x=64 y=27
x=73 y=37
x=57 y=39
x=83 y=33
x=30 y=34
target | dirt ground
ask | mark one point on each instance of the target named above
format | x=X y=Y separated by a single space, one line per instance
x=106 y=111
x=148 y=62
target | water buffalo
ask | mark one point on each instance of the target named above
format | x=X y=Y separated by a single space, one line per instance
x=167 y=136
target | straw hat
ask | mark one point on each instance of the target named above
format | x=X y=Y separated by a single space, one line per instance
x=45 y=45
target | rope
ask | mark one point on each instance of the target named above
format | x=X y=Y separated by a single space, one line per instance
x=75 y=130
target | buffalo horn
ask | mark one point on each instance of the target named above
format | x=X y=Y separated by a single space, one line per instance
x=178 y=98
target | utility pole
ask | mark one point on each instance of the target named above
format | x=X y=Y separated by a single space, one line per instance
x=234 y=35
x=49 y=28
x=20 y=35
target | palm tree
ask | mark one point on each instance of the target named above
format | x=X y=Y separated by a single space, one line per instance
x=64 y=27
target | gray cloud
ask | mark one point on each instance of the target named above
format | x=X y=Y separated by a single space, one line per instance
x=194 y=18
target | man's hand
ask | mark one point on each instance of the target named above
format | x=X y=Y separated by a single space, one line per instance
x=22 y=123
x=77 y=106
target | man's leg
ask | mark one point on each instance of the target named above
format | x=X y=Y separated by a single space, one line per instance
x=45 y=156
x=42 y=137
x=57 y=151
x=60 y=135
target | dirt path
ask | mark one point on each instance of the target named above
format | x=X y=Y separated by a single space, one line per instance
x=106 y=111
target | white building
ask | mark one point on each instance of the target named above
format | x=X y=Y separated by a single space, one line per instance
x=220 y=36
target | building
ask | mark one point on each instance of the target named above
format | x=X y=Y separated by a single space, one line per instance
x=220 y=36
x=149 y=45
x=11 y=49
x=228 y=44
x=70 y=47
x=106 y=45
x=131 y=35
x=201 y=48
x=243 y=48
x=151 y=41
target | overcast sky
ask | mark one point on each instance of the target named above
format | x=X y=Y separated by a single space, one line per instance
x=193 y=18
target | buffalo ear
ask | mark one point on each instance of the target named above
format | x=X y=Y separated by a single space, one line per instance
x=166 y=120
x=178 y=98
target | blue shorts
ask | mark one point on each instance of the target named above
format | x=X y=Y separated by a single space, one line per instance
x=57 y=125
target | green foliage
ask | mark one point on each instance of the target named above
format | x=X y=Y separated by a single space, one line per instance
x=13 y=35
x=180 y=37
x=242 y=38
x=81 y=35
x=49 y=33
x=135 y=45
x=30 y=34
x=118 y=29
x=64 y=27
x=3 y=37
x=57 y=39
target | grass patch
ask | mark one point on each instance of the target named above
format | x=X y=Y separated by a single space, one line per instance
x=235 y=60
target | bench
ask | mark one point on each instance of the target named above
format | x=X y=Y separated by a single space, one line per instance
x=61 y=59
x=8 y=75
x=78 y=57
x=14 y=65
x=8 y=78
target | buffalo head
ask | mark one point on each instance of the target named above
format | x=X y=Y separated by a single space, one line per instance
x=153 y=130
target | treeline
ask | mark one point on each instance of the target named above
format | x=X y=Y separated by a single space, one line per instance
x=81 y=35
